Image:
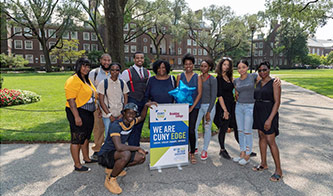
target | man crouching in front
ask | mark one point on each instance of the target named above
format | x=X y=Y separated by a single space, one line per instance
x=115 y=155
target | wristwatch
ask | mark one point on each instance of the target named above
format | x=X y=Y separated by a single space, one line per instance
x=108 y=115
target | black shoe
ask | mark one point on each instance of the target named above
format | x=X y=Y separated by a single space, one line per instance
x=253 y=154
x=82 y=169
x=94 y=156
x=91 y=161
x=225 y=154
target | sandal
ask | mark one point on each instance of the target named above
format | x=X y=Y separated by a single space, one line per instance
x=276 y=177
x=259 y=168
x=193 y=159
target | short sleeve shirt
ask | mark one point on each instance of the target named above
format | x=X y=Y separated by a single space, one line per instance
x=118 y=128
x=245 y=88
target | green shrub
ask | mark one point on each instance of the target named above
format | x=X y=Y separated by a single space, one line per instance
x=16 y=97
x=12 y=61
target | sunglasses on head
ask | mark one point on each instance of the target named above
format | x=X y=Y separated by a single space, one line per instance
x=227 y=58
x=262 y=70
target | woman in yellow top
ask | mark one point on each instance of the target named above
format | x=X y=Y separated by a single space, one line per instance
x=80 y=105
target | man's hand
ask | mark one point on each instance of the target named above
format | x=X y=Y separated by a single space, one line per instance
x=150 y=103
x=112 y=118
x=141 y=151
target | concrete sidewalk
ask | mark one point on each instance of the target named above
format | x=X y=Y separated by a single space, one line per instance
x=305 y=142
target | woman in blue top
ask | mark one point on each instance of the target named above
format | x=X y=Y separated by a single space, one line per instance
x=191 y=79
x=159 y=85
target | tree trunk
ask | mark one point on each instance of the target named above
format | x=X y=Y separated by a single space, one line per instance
x=114 y=19
x=46 y=53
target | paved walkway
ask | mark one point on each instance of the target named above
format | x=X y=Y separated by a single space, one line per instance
x=305 y=145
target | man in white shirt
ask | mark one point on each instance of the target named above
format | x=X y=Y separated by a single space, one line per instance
x=136 y=78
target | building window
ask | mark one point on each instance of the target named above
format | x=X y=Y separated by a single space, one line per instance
x=74 y=35
x=179 y=61
x=280 y=61
x=281 y=54
x=126 y=59
x=318 y=51
x=271 y=62
x=196 y=61
x=313 y=50
x=126 y=27
x=194 y=43
x=145 y=40
x=179 y=51
x=17 y=31
x=51 y=44
x=53 y=59
x=260 y=36
x=189 y=42
x=189 y=50
x=133 y=40
x=194 y=51
x=255 y=61
x=133 y=49
x=145 y=49
x=199 y=61
x=126 y=48
x=153 y=30
x=205 y=52
x=86 y=36
x=18 y=44
x=94 y=47
x=285 y=62
x=66 y=61
x=199 y=51
x=86 y=47
x=261 y=45
x=256 y=53
x=42 y=59
x=260 y=53
x=271 y=53
x=256 y=45
x=28 y=44
x=40 y=46
x=93 y=37
x=272 y=45
x=65 y=35
x=52 y=33
x=30 y=58
x=27 y=32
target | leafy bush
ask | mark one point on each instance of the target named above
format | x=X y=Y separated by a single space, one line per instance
x=16 y=97
x=12 y=61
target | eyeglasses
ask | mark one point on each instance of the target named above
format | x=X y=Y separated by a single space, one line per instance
x=114 y=69
x=262 y=70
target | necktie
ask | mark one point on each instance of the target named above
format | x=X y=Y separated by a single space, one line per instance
x=141 y=73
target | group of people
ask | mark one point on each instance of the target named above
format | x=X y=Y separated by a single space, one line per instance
x=113 y=106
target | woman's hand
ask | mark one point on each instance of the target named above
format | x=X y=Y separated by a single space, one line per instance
x=191 y=108
x=226 y=115
x=207 y=117
x=78 y=121
x=267 y=125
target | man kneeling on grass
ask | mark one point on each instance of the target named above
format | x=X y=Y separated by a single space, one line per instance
x=115 y=155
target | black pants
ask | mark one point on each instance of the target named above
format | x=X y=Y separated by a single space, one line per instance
x=222 y=131
x=192 y=121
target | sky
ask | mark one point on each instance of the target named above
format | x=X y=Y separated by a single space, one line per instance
x=242 y=7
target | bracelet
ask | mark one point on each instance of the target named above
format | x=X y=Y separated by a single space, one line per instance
x=108 y=115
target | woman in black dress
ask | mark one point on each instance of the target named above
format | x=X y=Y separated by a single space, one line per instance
x=266 y=118
x=225 y=106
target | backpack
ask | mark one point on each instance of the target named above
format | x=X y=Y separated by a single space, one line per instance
x=106 y=84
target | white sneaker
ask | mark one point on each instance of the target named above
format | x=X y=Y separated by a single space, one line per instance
x=244 y=162
x=236 y=159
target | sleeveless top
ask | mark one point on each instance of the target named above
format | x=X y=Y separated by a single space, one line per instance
x=193 y=83
x=264 y=93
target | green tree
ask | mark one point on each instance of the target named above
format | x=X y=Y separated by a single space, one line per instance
x=67 y=50
x=37 y=16
x=329 y=58
x=313 y=60
x=12 y=61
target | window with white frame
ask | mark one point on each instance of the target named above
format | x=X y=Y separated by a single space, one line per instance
x=179 y=61
x=52 y=33
x=255 y=61
x=179 y=50
x=189 y=42
x=256 y=45
x=281 y=54
x=65 y=35
x=272 y=45
x=189 y=50
x=40 y=46
x=74 y=35
x=194 y=43
x=51 y=44
x=93 y=37
x=27 y=32
x=17 y=31
x=94 y=47
x=145 y=49
x=153 y=30
x=280 y=61
x=260 y=53
x=271 y=62
x=53 y=59
x=30 y=58
x=199 y=51
x=205 y=52
x=261 y=44
x=86 y=47
x=318 y=51
x=28 y=44
x=42 y=59
x=196 y=61
x=65 y=60
x=126 y=48
x=133 y=40
x=194 y=51
x=18 y=44
x=256 y=53
x=133 y=49
x=271 y=53
x=285 y=62
x=313 y=50
x=86 y=36
x=199 y=61
x=126 y=27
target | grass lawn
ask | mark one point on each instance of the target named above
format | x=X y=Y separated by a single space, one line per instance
x=318 y=80
x=44 y=120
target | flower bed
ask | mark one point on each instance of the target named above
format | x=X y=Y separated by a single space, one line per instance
x=15 y=97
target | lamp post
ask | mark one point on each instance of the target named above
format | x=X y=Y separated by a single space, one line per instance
x=253 y=28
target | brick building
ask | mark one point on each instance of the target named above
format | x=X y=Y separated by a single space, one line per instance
x=320 y=46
